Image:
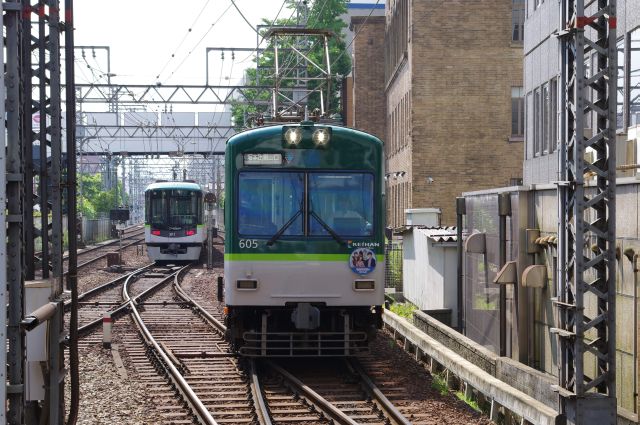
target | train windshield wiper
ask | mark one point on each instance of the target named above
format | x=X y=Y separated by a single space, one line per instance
x=284 y=227
x=328 y=228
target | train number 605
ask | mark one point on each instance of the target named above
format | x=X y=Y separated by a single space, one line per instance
x=248 y=243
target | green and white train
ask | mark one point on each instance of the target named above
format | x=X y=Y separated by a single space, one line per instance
x=304 y=248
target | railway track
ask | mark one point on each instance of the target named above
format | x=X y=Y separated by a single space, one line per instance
x=95 y=253
x=189 y=356
x=236 y=394
x=102 y=299
x=335 y=390
x=175 y=350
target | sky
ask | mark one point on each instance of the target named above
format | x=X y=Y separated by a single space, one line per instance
x=144 y=34
x=165 y=41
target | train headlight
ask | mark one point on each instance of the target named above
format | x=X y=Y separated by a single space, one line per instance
x=293 y=136
x=247 y=284
x=364 y=285
x=321 y=137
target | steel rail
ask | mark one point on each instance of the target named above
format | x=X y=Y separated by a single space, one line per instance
x=320 y=402
x=124 y=305
x=381 y=400
x=100 y=257
x=200 y=310
x=262 y=410
x=109 y=243
x=196 y=405
x=106 y=285
x=140 y=232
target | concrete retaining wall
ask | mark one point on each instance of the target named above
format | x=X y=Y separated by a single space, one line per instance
x=518 y=376
x=500 y=393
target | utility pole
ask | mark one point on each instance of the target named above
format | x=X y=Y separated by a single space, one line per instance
x=586 y=272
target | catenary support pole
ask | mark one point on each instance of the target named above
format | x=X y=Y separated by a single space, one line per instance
x=586 y=206
x=3 y=247
x=15 y=258
x=72 y=213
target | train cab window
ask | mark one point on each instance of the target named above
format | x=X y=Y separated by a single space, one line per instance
x=343 y=201
x=267 y=201
x=174 y=209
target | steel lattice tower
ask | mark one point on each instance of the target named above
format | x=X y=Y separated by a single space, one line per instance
x=586 y=280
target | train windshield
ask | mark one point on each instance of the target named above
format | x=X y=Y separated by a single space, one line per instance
x=341 y=201
x=174 y=209
x=268 y=201
x=337 y=204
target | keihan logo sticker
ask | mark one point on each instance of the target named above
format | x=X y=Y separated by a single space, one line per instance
x=362 y=261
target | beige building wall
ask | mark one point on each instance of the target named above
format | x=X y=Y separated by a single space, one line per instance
x=449 y=84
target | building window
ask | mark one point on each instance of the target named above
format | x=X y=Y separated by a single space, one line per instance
x=517 y=112
x=517 y=20
x=537 y=119
x=546 y=118
x=553 y=123
x=529 y=121
x=634 y=74
x=620 y=85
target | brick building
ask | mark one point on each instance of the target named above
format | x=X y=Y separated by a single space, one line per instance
x=369 y=103
x=454 y=103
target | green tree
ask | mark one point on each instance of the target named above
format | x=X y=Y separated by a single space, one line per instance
x=95 y=200
x=323 y=14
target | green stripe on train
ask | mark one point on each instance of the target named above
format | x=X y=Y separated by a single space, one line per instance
x=290 y=257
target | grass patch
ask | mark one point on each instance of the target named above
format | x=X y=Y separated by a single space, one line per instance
x=471 y=403
x=403 y=309
x=439 y=384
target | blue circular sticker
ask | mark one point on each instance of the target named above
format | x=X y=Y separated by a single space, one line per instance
x=362 y=261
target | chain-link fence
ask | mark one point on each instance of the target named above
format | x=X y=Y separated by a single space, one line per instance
x=393 y=264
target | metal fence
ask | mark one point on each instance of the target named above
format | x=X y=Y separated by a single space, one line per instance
x=393 y=265
x=97 y=230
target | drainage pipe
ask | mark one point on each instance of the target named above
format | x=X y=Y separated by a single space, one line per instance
x=461 y=209
x=504 y=210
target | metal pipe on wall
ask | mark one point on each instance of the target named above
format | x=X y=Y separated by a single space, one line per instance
x=635 y=330
x=461 y=210
x=504 y=210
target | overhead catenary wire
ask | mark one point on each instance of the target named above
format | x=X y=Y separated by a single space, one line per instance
x=352 y=41
x=198 y=42
x=263 y=36
x=195 y=21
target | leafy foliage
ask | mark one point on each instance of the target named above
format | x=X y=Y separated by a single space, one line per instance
x=95 y=200
x=403 y=309
x=323 y=14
